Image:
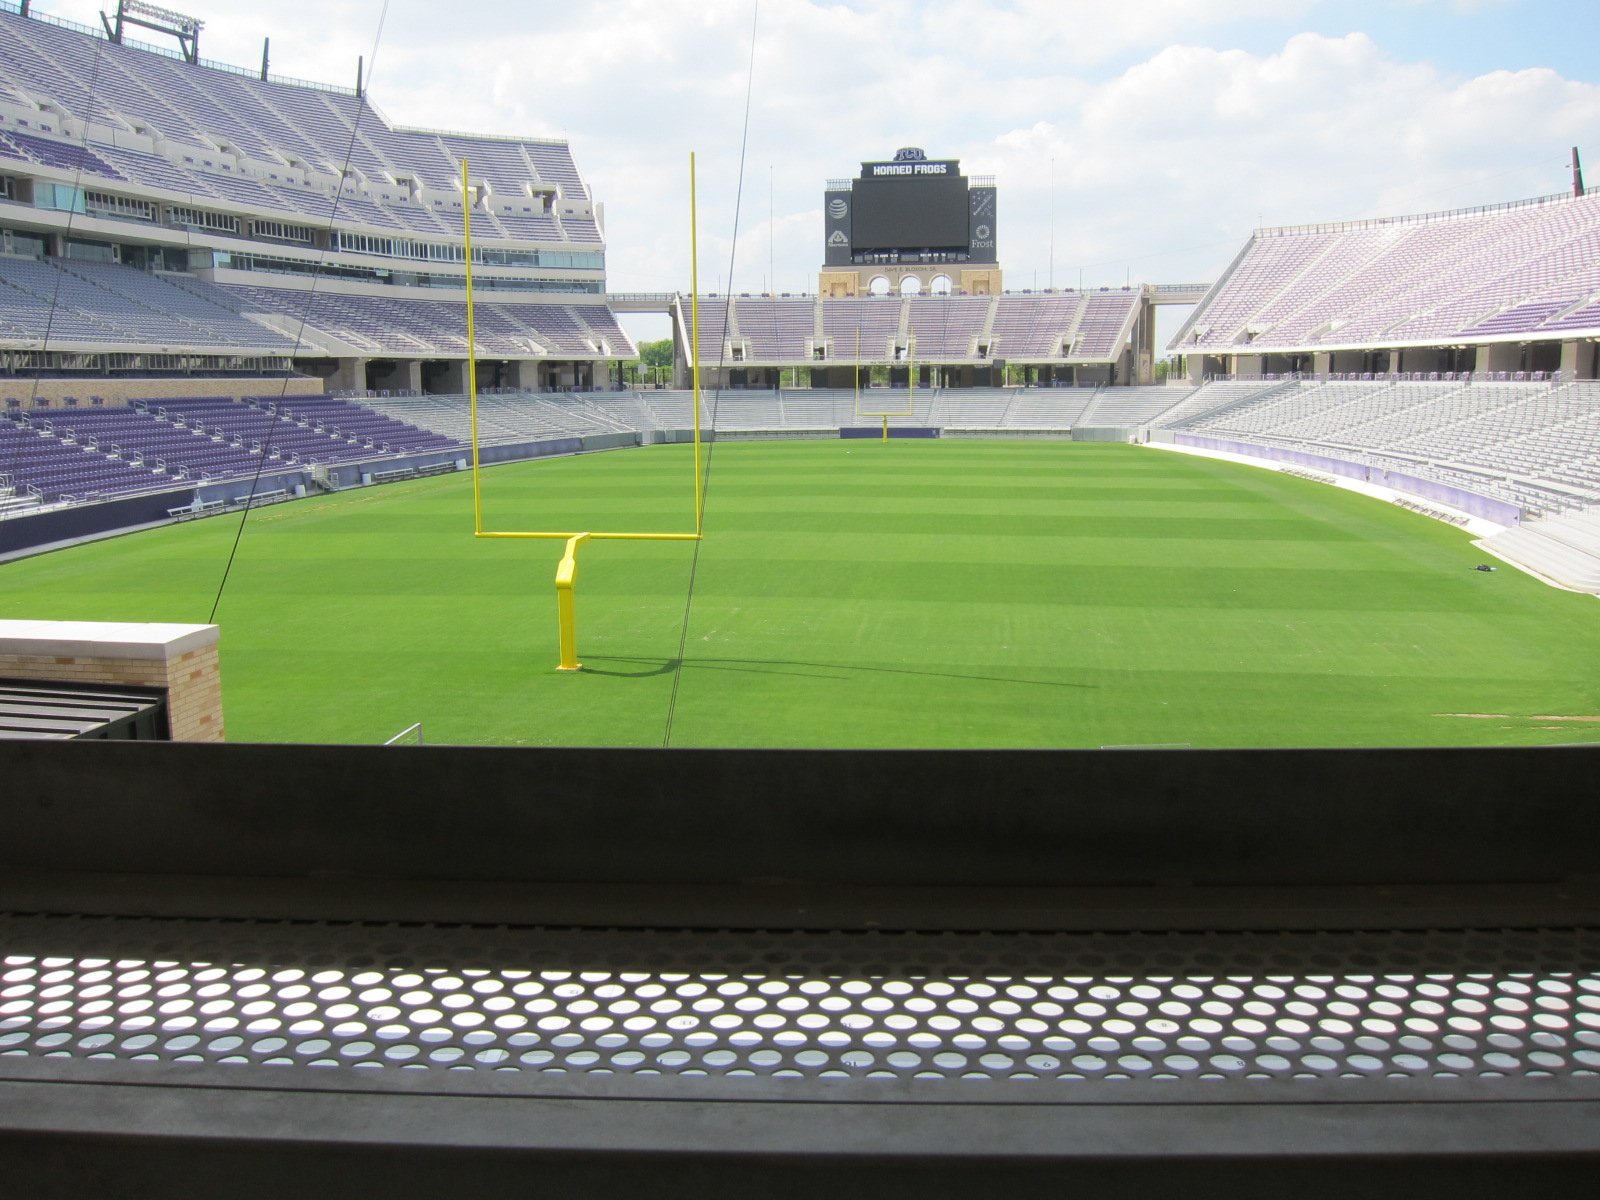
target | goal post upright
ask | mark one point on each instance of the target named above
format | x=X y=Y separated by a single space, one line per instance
x=472 y=354
x=694 y=338
x=567 y=569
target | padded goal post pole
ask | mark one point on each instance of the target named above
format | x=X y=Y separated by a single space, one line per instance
x=566 y=604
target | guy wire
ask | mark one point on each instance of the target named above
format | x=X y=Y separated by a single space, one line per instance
x=727 y=316
x=305 y=316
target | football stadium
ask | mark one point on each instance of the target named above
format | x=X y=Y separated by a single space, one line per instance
x=935 y=733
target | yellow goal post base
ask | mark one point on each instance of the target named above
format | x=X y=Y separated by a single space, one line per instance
x=567 y=569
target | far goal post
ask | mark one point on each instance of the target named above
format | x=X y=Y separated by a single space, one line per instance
x=870 y=411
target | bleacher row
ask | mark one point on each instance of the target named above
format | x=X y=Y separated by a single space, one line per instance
x=208 y=123
x=1534 y=445
x=1064 y=326
x=50 y=456
x=1531 y=268
x=105 y=304
x=110 y=305
x=516 y=418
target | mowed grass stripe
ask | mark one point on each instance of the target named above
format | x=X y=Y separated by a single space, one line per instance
x=942 y=593
x=1185 y=587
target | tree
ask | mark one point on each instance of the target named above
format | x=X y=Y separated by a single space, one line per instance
x=653 y=365
x=656 y=354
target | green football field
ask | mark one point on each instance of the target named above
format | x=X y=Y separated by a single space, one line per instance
x=946 y=593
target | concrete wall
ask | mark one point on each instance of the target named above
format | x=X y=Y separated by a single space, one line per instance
x=1500 y=356
x=179 y=659
x=1469 y=502
x=53 y=392
x=983 y=282
x=837 y=284
x=399 y=375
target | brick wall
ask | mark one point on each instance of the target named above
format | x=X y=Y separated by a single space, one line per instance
x=181 y=659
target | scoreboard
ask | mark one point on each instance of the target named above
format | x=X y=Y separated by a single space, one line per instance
x=909 y=210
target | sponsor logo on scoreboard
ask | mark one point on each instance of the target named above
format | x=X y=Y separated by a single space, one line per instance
x=838 y=210
x=837 y=238
x=980 y=233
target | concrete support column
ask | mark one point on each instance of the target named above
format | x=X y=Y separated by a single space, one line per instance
x=1501 y=356
x=523 y=374
x=1247 y=364
x=349 y=375
x=452 y=378
x=1144 y=344
x=408 y=375
x=1571 y=360
x=1321 y=363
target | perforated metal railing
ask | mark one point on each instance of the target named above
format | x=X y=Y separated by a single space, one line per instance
x=1068 y=1008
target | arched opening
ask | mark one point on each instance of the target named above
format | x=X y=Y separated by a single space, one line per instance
x=941 y=285
x=879 y=285
x=911 y=286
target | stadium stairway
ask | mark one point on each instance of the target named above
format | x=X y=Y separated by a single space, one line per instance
x=1564 y=549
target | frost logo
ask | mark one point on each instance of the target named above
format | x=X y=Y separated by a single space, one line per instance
x=838 y=209
x=981 y=232
x=837 y=238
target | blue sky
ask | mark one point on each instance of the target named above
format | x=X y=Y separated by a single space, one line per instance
x=1466 y=38
x=1171 y=128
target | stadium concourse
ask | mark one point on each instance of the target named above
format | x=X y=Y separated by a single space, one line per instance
x=163 y=216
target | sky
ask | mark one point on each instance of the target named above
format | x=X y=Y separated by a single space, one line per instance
x=1132 y=142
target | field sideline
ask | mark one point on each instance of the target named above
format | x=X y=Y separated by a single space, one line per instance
x=949 y=593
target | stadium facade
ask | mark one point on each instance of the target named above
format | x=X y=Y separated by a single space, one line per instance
x=910 y=294
x=159 y=215
x=1508 y=290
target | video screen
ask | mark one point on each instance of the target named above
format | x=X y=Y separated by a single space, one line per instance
x=912 y=213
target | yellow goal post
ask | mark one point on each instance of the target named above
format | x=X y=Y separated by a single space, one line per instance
x=567 y=570
x=910 y=408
